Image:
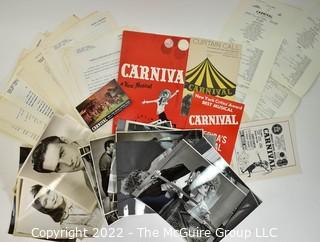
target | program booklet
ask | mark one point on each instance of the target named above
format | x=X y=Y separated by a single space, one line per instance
x=160 y=74
x=219 y=117
x=151 y=72
x=212 y=69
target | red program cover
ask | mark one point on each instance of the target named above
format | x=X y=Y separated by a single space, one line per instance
x=151 y=72
x=219 y=117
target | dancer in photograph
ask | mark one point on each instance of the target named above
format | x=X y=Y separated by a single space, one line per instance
x=164 y=97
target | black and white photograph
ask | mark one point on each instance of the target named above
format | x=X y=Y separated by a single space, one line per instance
x=127 y=125
x=207 y=150
x=103 y=153
x=111 y=217
x=23 y=154
x=165 y=123
x=84 y=150
x=165 y=138
x=55 y=162
x=88 y=165
x=136 y=126
x=250 y=202
x=133 y=206
x=44 y=208
x=155 y=122
x=112 y=185
x=186 y=190
x=136 y=151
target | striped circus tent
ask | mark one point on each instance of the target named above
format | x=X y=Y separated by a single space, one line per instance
x=207 y=76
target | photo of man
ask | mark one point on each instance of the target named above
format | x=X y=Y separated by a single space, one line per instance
x=105 y=163
x=56 y=154
x=55 y=161
x=103 y=154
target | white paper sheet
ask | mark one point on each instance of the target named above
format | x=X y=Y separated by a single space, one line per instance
x=295 y=70
x=91 y=27
x=265 y=149
x=259 y=26
x=95 y=63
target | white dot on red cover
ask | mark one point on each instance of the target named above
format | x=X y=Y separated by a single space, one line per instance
x=168 y=43
x=183 y=44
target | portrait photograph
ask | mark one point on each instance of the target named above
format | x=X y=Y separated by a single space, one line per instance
x=44 y=208
x=55 y=161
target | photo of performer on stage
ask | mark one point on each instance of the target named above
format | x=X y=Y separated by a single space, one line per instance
x=185 y=190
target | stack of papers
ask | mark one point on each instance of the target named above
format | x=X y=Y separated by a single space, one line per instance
x=116 y=122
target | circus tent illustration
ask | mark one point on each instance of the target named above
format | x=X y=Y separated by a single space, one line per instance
x=205 y=77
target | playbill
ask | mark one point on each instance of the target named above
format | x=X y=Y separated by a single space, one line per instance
x=265 y=149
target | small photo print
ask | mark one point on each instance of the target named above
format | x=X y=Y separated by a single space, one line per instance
x=84 y=150
x=103 y=105
x=111 y=217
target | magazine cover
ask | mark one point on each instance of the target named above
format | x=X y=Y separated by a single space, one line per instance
x=137 y=150
x=219 y=117
x=265 y=149
x=151 y=72
x=212 y=69
x=103 y=105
